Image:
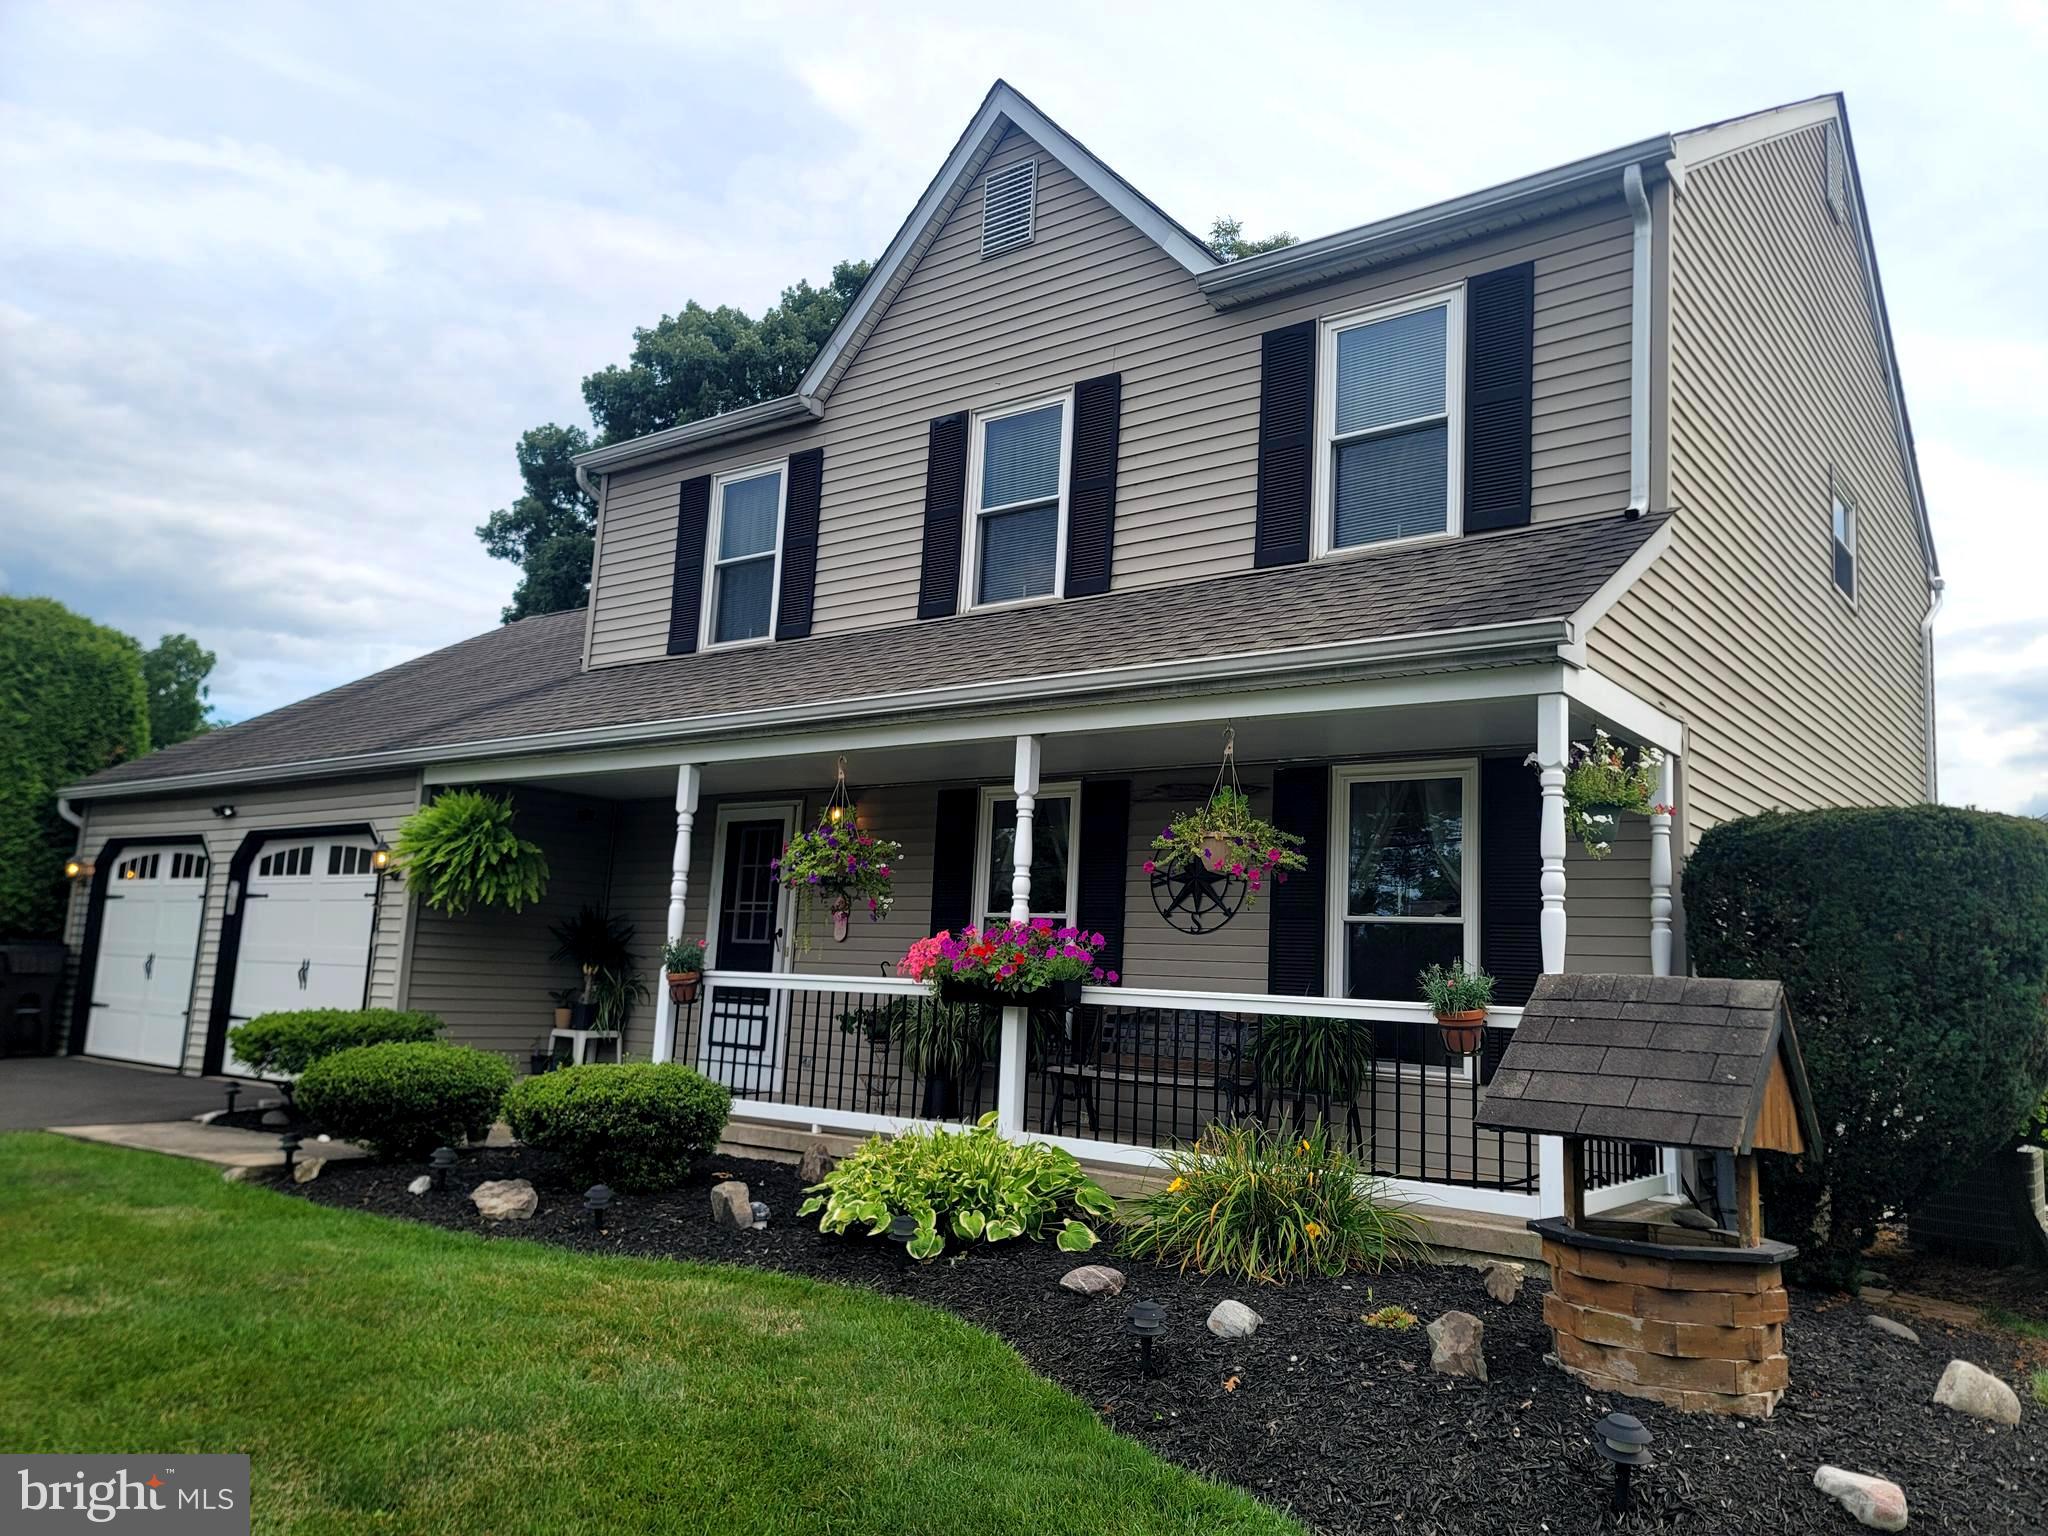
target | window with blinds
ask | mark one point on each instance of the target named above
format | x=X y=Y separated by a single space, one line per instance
x=1018 y=508
x=743 y=551
x=1389 y=406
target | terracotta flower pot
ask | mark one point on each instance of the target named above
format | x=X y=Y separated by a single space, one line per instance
x=562 y=1017
x=1218 y=853
x=1462 y=1032
x=682 y=986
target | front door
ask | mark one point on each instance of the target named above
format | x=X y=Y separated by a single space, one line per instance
x=740 y=1034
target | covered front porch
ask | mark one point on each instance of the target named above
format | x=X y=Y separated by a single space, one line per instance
x=1430 y=835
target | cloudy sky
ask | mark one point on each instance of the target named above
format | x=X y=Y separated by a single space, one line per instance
x=281 y=285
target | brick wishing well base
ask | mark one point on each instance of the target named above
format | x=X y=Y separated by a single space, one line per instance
x=1694 y=1328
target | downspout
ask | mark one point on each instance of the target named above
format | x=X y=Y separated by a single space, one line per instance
x=1638 y=344
x=1936 y=587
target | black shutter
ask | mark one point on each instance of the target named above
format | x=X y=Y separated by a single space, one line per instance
x=1500 y=363
x=1294 y=927
x=686 y=597
x=1287 y=446
x=959 y=817
x=1091 y=485
x=1105 y=865
x=945 y=509
x=1510 y=864
x=800 y=544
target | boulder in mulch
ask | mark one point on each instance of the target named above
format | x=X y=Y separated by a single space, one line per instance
x=307 y=1169
x=505 y=1200
x=276 y=1117
x=1978 y=1393
x=1504 y=1279
x=731 y=1206
x=1874 y=1502
x=420 y=1185
x=1093 y=1280
x=1457 y=1346
x=1234 y=1320
x=1891 y=1329
x=816 y=1163
x=236 y=1174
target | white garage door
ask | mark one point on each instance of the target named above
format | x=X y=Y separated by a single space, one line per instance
x=305 y=930
x=149 y=937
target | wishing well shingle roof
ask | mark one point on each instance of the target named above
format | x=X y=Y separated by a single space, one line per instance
x=526 y=679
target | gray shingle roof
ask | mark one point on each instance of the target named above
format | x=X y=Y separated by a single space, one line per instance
x=1677 y=1061
x=525 y=679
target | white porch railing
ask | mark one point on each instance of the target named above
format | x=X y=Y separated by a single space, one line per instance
x=1122 y=1075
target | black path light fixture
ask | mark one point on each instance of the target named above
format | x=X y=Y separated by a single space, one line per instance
x=1622 y=1440
x=1145 y=1322
x=902 y=1228
x=597 y=1200
x=289 y=1143
x=234 y=1093
x=441 y=1159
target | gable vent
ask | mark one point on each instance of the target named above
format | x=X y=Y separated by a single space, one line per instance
x=1837 y=174
x=1007 y=198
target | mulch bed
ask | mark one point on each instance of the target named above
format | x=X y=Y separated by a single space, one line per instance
x=1342 y=1425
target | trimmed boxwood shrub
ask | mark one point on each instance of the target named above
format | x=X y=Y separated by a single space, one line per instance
x=635 y=1125
x=1913 y=945
x=292 y=1042
x=403 y=1099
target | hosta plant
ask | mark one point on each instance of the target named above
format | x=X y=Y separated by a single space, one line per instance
x=1256 y=1205
x=972 y=1185
x=461 y=852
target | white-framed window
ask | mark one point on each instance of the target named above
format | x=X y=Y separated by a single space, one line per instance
x=1404 y=888
x=1055 y=863
x=1390 y=405
x=1842 y=535
x=1017 y=502
x=743 y=554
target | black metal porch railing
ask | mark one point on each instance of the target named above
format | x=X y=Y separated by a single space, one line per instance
x=1149 y=1076
x=1617 y=1162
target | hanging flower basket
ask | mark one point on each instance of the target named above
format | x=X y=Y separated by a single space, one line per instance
x=1602 y=782
x=838 y=865
x=1028 y=965
x=1221 y=841
x=1459 y=998
x=683 y=961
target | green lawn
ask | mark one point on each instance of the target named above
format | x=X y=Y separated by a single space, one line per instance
x=391 y=1377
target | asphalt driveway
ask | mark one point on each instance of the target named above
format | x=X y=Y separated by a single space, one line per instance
x=38 y=1091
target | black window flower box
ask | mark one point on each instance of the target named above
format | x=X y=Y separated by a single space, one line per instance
x=1060 y=994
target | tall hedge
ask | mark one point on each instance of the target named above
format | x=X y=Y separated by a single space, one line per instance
x=72 y=702
x=1913 y=945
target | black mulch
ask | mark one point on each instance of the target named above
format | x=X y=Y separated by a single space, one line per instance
x=1345 y=1426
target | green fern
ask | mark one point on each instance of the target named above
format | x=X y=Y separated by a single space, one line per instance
x=461 y=852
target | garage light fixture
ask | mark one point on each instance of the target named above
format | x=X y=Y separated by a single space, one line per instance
x=224 y=812
x=380 y=857
x=78 y=869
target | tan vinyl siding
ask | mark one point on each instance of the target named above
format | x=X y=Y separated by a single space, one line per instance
x=1792 y=697
x=382 y=803
x=1607 y=903
x=1092 y=295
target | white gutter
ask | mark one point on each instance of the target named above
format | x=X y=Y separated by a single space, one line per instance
x=785 y=411
x=1478 y=643
x=1638 y=342
x=1937 y=586
x=64 y=810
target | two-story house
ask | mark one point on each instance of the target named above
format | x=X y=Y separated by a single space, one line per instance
x=1065 y=498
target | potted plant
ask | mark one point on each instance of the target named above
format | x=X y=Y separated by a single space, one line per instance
x=565 y=1000
x=1459 y=998
x=1313 y=1056
x=1223 y=838
x=1034 y=964
x=601 y=947
x=1601 y=782
x=837 y=863
x=683 y=960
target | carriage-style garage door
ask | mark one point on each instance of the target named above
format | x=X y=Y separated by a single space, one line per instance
x=149 y=939
x=305 y=929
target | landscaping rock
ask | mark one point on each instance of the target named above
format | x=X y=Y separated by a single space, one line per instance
x=1873 y=1501
x=1891 y=1329
x=817 y=1162
x=307 y=1169
x=730 y=1205
x=1978 y=1393
x=505 y=1200
x=760 y=1209
x=420 y=1185
x=207 y=1117
x=235 y=1175
x=1456 y=1346
x=1234 y=1320
x=1504 y=1280
x=1093 y=1280
x=276 y=1117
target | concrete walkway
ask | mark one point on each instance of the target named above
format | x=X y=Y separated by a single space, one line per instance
x=41 y=1091
x=222 y=1145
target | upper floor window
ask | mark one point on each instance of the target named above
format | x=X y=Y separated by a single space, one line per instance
x=745 y=554
x=1017 y=503
x=1843 y=518
x=1055 y=873
x=1390 y=406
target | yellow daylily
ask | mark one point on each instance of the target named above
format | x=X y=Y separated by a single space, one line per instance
x=1177 y=1185
x=1303 y=1152
x=1314 y=1231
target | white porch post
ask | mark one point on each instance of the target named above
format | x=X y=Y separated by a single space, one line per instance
x=688 y=781
x=1011 y=1061
x=1660 y=869
x=1553 y=751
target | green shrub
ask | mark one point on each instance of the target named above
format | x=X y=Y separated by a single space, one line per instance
x=461 y=852
x=1261 y=1206
x=635 y=1125
x=292 y=1042
x=973 y=1183
x=1913 y=945
x=403 y=1099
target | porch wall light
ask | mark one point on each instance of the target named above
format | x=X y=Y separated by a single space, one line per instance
x=380 y=857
